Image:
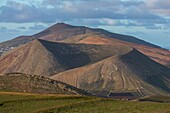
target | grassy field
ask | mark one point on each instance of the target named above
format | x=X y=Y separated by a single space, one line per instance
x=34 y=103
x=157 y=99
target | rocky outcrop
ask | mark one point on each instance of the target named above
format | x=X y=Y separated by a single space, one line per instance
x=130 y=72
x=19 y=82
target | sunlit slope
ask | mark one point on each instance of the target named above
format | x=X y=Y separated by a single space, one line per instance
x=18 y=82
x=46 y=58
x=130 y=72
x=159 y=55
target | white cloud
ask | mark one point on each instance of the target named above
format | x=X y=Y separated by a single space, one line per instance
x=160 y=7
x=37 y=27
x=109 y=12
x=108 y=21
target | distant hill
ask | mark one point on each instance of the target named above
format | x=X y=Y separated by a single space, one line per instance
x=18 y=82
x=65 y=32
x=93 y=60
x=61 y=31
x=130 y=72
x=159 y=55
x=100 y=69
x=45 y=58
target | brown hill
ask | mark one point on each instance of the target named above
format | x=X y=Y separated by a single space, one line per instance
x=130 y=72
x=56 y=32
x=159 y=55
x=100 y=69
x=41 y=57
x=19 y=82
x=62 y=31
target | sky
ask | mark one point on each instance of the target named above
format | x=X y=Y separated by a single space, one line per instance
x=145 y=19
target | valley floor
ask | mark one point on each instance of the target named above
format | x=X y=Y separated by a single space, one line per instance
x=49 y=103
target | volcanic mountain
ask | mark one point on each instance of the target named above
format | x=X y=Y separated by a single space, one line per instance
x=100 y=69
x=61 y=31
x=19 y=82
x=45 y=58
x=130 y=71
x=101 y=62
x=159 y=55
x=80 y=34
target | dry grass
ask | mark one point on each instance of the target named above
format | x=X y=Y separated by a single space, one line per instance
x=14 y=102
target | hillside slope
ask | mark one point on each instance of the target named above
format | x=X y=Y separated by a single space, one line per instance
x=130 y=72
x=31 y=58
x=61 y=31
x=41 y=57
x=12 y=102
x=159 y=55
x=18 y=82
x=68 y=33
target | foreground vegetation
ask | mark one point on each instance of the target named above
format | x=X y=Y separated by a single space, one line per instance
x=34 y=103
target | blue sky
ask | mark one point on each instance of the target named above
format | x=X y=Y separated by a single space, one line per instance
x=146 y=19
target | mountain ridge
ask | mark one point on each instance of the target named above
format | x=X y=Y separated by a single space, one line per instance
x=124 y=73
x=62 y=31
x=19 y=82
x=159 y=55
x=100 y=69
x=44 y=57
x=92 y=60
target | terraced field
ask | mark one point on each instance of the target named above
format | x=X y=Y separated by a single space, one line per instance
x=48 y=103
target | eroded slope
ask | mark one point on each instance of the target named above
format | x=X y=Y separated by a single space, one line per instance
x=45 y=58
x=131 y=72
x=18 y=82
x=159 y=55
x=61 y=31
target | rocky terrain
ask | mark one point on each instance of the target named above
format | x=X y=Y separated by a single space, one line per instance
x=93 y=60
x=119 y=74
x=100 y=69
x=61 y=31
x=19 y=82
x=46 y=58
x=66 y=33
x=159 y=55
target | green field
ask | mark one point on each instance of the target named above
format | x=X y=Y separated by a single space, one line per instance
x=33 y=103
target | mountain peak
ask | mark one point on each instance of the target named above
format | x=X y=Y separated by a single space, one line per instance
x=61 y=25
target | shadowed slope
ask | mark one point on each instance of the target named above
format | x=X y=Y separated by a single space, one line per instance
x=82 y=34
x=45 y=58
x=18 y=82
x=56 y=32
x=159 y=55
x=31 y=58
x=130 y=72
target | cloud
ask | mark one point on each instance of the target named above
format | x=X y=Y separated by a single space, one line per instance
x=37 y=27
x=159 y=6
x=145 y=13
x=3 y=29
x=153 y=27
x=22 y=12
x=22 y=27
x=167 y=32
x=136 y=33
